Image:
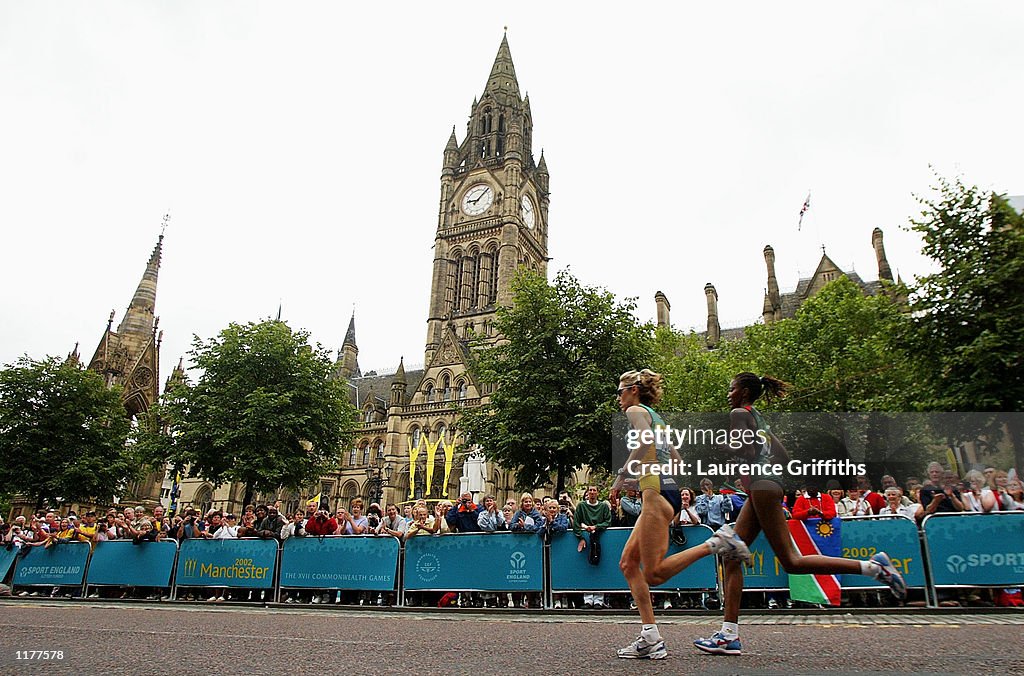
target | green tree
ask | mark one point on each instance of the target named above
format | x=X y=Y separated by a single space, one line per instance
x=63 y=433
x=970 y=312
x=564 y=346
x=264 y=411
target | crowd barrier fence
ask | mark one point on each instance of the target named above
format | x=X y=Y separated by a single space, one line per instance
x=958 y=550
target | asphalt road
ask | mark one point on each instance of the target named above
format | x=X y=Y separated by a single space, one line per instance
x=103 y=638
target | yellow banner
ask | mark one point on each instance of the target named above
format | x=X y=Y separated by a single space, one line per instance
x=314 y=501
x=413 y=454
x=449 y=457
x=431 y=453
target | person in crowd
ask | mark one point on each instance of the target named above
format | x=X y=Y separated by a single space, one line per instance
x=228 y=529
x=189 y=527
x=269 y=527
x=941 y=498
x=490 y=519
x=592 y=516
x=1000 y=480
x=250 y=517
x=420 y=524
x=407 y=514
x=146 y=533
x=1015 y=493
x=630 y=505
x=393 y=524
x=714 y=510
x=352 y=522
x=321 y=524
x=552 y=521
x=160 y=522
x=511 y=502
x=935 y=473
x=889 y=481
x=874 y=499
x=508 y=512
x=464 y=517
x=687 y=517
x=441 y=511
x=835 y=491
x=51 y=524
x=814 y=505
x=527 y=518
x=977 y=496
x=374 y=518
x=855 y=503
x=894 y=506
x=296 y=527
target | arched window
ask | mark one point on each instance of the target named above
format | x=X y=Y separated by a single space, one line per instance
x=494 y=278
x=203 y=499
x=463 y=390
x=430 y=393
x=414 y=438
x=352 y=456
x=446 y=388
x=501 y=123
x=366 y=452
x=368 y=417
x=380 y=449
x=441 y=431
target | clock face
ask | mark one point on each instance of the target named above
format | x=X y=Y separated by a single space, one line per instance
x=477 y=199
x=527 y=212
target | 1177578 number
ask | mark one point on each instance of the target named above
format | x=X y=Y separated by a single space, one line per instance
x=38 y=654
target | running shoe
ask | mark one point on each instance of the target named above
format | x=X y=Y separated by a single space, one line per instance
x=729 y=546
x=640 y=649
x=718 y=644
x=888 y=575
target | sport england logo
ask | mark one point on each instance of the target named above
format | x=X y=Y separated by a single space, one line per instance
x=428 y=567
x=517 y=572
x=956 y=564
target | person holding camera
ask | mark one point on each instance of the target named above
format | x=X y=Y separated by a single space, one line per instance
x=189 y=527
x=465 y=516
x=374 y=519
x=321 y=524
x=269 y=528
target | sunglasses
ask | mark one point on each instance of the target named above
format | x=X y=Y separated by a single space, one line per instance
x=619 y=391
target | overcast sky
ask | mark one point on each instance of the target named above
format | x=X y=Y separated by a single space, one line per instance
x=298 y=147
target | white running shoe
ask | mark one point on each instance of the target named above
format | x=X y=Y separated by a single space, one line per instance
x=729 y=546
x=640 y=649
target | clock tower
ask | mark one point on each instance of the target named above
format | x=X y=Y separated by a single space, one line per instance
x=493 y=212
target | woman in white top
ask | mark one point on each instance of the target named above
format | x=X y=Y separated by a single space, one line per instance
x=894 y=505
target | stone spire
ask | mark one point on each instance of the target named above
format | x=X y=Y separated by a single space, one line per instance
x=399 y=384
x=348 y=362
x=714 y=328
x=663 y=309
x=502 y=82
x=140 y=317
x=884 y=271
x=773 y=300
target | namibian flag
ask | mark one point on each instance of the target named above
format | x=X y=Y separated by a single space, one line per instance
x=816 y=536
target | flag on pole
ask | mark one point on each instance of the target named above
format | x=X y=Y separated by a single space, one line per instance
x=314 y=501
x=816 y=536
x=803 y=210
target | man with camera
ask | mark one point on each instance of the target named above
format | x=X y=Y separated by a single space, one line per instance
x=189 y=527
x=464 y=518
x=269 y=528
x=321 y=524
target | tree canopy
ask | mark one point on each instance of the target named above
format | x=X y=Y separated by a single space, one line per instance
x=63 y=434
x=264 y=411
x=555 y=369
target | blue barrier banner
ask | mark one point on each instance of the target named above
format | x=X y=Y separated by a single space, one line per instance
x=502 y=562
x=862 y=539
x=227 y=563
x=341 y=562
x=570 y=570
x=979 y=549
x=897 y=537
x=765 y=571
x=7 y=560
x=60 y=564
x=121 y=562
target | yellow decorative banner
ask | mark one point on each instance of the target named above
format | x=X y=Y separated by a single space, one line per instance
x=449 y=456
x=413 y=454
x=314 y=501
x=431 y=453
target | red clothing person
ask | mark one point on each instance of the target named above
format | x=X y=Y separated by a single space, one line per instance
x=822 y=503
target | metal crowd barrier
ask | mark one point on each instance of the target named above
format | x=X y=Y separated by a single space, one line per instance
x=950 y=551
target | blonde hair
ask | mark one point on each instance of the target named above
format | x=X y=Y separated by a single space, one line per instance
x=650 y=385
x=524 y=496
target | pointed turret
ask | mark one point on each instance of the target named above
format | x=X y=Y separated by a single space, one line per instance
x=140 y=316
x=347 y=365
x=398 y=384
x=177 y=376
x=884 y=271
x=73 y=357
x=451 y=152
x=502 y=83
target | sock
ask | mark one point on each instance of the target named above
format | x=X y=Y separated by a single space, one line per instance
x=870 y=568
x=714 y=544
x=730 y=630
x=650 y=633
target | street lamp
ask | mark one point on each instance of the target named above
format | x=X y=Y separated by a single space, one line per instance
x=378 y=477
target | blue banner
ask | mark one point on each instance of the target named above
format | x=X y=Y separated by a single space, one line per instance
x=7 y=560
x=227 y=563
x=978 y=549
x=571 y=571
x=502 y=562
x=59 y=564
x=897 y=537
x=765 y=571
x=122 y=562
x=341 y=562
x=861 y=539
